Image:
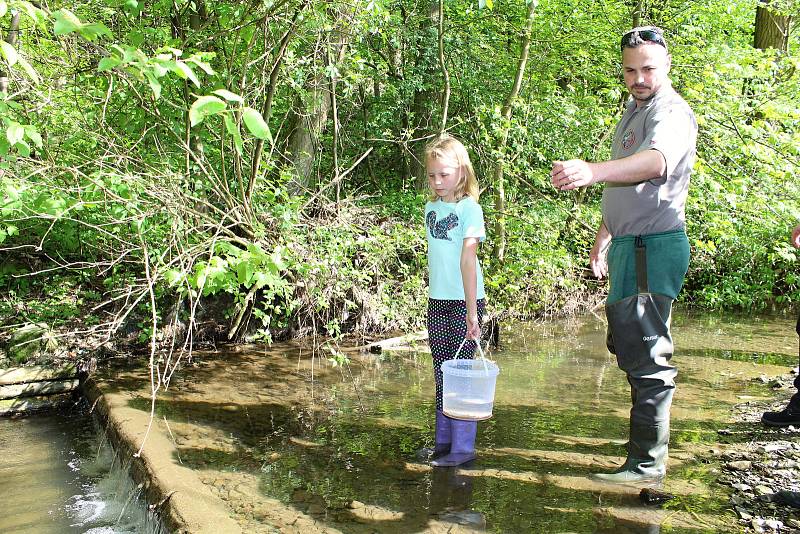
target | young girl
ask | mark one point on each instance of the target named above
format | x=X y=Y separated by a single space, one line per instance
x=454 y=226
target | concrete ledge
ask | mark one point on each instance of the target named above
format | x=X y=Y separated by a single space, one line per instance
x=185 y=504
x=17 y=375
x=32 y=389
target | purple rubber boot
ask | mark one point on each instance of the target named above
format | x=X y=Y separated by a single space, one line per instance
x=442 y=439
x=462 y=450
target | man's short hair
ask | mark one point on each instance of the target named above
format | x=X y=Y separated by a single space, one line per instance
x=641 y=35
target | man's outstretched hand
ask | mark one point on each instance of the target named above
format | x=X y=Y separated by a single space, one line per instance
x=571 y=174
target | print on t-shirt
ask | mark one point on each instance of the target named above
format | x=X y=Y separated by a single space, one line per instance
x=440 y=228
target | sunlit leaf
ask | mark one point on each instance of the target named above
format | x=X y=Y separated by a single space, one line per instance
x=203 y=107
x=133 y=7
x=227 y=95
x=174 y=277
x=255 y=123
x=66 y=22
x=184 y=71
x=23 y=148
x=94 y=30
x=202 y=64
x=244 y=272
x=36 y=14
x=108 y=63
x=161 y=67
x=155 y=85
x=9 y=52
x=15 y=133
x=32 y=134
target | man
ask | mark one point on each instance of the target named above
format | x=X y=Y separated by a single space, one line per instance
x=791 y=414
x=647 y=182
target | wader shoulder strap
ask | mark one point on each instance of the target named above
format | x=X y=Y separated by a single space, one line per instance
x=641 y=266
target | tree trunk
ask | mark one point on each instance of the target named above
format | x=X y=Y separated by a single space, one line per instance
x=308 y=125
x=266 y=108
x=308 y=122
x=11 y=38
x=425 y=97
x=443 y=67
x=636 y=13
x=197 y=17
x=772 y=29
x=498 y=179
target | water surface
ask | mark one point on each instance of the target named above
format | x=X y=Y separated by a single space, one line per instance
x=287 y=439
x=58 y=475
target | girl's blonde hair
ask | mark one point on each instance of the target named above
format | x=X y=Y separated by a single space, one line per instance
x=446 y=146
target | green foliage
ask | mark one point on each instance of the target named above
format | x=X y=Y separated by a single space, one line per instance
x=138 y=144
x=66 y=22
x=742 y=204
x=54 y=300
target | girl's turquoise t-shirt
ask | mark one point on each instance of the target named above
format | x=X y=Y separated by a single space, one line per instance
x=447 y=225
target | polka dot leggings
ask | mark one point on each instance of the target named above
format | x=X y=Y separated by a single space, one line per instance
x=447 y=326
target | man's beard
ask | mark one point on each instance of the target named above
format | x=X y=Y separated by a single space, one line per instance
x=649 y=97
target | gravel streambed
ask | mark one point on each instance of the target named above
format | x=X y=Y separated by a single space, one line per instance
x=760 y=464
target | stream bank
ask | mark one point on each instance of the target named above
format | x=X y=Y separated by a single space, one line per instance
x=762 y=461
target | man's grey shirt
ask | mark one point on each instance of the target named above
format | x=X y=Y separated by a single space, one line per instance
x=664 y=123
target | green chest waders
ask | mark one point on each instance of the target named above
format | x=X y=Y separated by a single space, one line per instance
x=639 y=335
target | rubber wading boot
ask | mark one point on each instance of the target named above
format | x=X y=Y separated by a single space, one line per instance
x=789 y=416
x=647 y=455
x=442 y=439
x=462 y=449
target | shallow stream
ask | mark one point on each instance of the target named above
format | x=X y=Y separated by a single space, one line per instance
x=59 y=475
x=305 y=444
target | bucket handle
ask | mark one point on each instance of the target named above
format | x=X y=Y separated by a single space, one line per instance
x=480 y=353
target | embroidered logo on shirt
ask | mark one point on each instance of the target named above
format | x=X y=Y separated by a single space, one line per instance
x=628 y=139
x=440 y=228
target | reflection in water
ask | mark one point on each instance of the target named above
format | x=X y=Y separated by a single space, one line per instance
x=346 y=459
x=60 y=476
x=450 y=497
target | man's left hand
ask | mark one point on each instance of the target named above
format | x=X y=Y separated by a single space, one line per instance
x=571 y=174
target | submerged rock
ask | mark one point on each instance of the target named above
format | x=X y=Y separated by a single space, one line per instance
x=653 y=496
x=465 y=518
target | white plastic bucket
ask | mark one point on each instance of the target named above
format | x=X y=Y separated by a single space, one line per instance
x=468 y=391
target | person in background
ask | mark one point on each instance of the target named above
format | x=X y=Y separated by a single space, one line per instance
x=791 y=414
x=643 y=210
x=454 y=227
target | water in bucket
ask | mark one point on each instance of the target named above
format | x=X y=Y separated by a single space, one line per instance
x=468 y=388
x=476 y=408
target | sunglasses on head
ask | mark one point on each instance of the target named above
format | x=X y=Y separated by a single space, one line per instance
x=651 y=35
